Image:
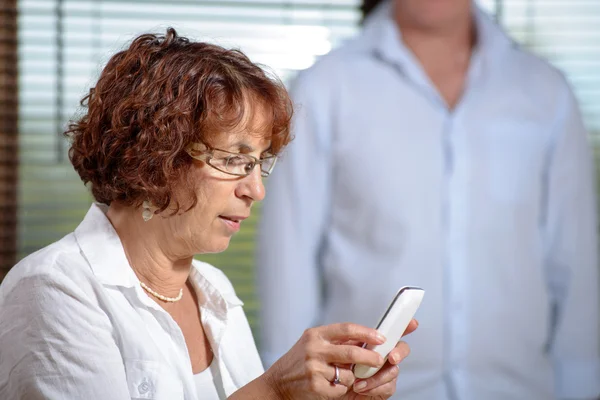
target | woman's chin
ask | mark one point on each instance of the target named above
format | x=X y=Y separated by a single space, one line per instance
x=217 y=246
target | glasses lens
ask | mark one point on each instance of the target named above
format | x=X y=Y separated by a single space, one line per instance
x=239 y=164
x=267 y=165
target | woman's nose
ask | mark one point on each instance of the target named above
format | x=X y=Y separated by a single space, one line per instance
x=252 y=185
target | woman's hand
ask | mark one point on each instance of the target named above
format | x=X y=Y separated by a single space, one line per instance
x=308 y=369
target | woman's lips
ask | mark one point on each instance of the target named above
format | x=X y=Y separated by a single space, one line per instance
x=232 y=221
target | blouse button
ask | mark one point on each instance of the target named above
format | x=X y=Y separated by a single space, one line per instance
x=144 y=387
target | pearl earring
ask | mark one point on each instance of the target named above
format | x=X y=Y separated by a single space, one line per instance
x=147 y=213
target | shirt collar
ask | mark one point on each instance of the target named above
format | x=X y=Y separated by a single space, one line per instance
x=102 y=248
x=383 y=37
x=218 y=298
x=215 y=302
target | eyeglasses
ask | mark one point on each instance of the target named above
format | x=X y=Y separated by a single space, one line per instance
x=237 y=164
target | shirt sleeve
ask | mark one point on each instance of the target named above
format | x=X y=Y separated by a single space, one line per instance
x=292 y=227
x=572 y=259
x=56 y=344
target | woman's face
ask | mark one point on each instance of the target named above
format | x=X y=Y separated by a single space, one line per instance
x=224 y=201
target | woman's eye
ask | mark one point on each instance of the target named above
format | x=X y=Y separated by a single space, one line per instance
x=249 y=167
x=236 y=161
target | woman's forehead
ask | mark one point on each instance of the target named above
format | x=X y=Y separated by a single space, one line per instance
x=254 y=130
x=246 y=142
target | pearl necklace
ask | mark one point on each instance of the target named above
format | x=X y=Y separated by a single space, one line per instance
x=160 y=296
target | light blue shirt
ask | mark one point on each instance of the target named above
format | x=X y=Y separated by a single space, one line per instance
x=490 y=207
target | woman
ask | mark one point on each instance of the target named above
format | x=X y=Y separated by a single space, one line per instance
x=174 y=145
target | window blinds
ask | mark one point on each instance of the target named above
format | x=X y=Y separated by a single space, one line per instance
x=8 y=134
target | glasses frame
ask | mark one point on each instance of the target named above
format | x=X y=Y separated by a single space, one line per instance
x=206 y=155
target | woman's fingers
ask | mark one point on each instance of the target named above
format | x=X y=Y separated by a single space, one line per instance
x=382 y=383
x=321 y=378
x=346 y=377
x=308 y=369
x=384 y=391
x=345 y=330
x=339 y=344
x=348 y=331
x=398 y=353
x=413 y=324
x=348 y=354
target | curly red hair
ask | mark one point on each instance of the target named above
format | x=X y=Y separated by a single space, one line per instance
x=153 y=100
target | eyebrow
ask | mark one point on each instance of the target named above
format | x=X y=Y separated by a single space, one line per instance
x=245 y=148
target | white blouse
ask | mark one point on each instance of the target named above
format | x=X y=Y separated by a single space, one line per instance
x=76 y=324
x=208 y=383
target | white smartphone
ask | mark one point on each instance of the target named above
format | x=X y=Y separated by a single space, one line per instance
x=392 y=325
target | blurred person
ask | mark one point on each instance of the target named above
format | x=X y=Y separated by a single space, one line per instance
x=174 y=144
x=433 y=151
